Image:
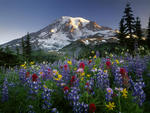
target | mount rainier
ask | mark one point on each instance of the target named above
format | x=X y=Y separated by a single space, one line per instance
x=63 y=32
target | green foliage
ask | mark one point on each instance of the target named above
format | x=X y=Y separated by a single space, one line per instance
x=121 y=35
x=23 y=48
x=129 y=27
x=148 y=35
x=40 y=56
x=8 y=58
x=146 y=77
x=28 y=48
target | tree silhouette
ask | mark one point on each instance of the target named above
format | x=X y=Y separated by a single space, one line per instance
x=121 y=35
x=28 y=48
x=129 y=26
x=148 y=35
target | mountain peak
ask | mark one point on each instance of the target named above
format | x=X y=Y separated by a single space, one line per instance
x=74 y=21
x=62 y=32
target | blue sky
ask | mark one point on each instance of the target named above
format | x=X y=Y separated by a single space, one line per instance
x=17 y=17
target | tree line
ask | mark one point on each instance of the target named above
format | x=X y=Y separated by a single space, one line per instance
x=17 y=57
x=130 y=32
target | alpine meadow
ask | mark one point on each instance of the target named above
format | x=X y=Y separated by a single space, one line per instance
x=74 y=64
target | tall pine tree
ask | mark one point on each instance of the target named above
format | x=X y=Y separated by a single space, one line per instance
x=138 y=31
x=28 y=48
x=23 y=48
x=1 y=49
x=148 y=35
x=17 y=51
x=129 y=26
x=121 y=35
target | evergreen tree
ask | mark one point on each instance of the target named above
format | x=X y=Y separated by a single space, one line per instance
x=17 y=51
x=1 y=49
x=138 y=31
x=28 y=48
x=121 y=35
x=148 y=35
x=129 y=26
x=23 y=48
x=7 y=50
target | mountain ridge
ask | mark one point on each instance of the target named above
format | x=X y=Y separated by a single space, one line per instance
x=62 y=32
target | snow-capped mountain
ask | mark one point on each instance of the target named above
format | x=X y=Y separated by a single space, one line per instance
x=62 y=32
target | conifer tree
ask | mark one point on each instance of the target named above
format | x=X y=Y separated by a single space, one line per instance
x=17 y=51
x=129 y=26
x=7 y=50
x=121 y=34
x=1 y=49
x=23 y=48
x=138 y=31
x=148 y=35
x=28 y=48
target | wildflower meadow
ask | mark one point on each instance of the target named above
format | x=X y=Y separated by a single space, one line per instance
x=112 y=84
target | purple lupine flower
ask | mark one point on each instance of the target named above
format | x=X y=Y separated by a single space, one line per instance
x=5 y=91
x=54 y=110
x=108 y=95
x=73 y=96
x=30 y=109
x=22 y=75
x=102 y=80
x=46 y=97
x=118 y=78
x=97 y=54
x=138 y=93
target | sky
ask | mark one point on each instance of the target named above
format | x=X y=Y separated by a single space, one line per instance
x=17 y=17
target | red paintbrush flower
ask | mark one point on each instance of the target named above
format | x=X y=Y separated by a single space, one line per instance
x=73 y=78
x=65 y=66
x=92 y=108
x=114 y=95
x=61 y=67
x=122 y=71
x=90 y=61
x=108 y=64
x=87 y=84
x=34 y=77
x=66 y=88
x=82 y=65
x=27 y=74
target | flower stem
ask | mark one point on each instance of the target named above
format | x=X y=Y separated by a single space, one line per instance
x=119 y=103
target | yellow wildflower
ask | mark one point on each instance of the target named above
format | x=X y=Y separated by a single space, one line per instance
x=82 y=74
x=124 y=93
x=88 y=75
x=93 y=68
x=23 y=65
x=31 y=63
x=44 y=86
x=41 y=73
x=69 y=62
x=112 y=63
x=55 y=72
x=94 y=56
x=82 y=78
x=105 y=71
x=58 y=78
x=92 y=52
x=111 y=55
x=111 y=105
x=117 y=61
x=75 y=69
